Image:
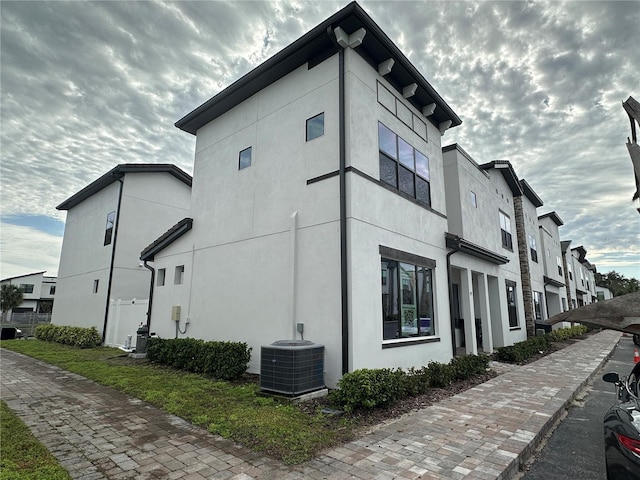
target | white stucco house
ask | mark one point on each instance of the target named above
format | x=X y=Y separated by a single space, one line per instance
x=581 y=288
x=487 y=309
x=318 y=208
x=39 y=292
x=603 y=293
x=556 y=276
x=108 y=223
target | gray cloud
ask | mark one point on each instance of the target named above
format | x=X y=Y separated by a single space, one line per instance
x=86 y=86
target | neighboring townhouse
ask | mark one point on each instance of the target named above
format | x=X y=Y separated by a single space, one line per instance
x=487 y=309
x=556 y=276
x=108 y=223
x=318 y=208
x=38 y=292
x=581 y=288
x=603 y=293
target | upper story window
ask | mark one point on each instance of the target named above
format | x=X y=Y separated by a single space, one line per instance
x=559 y=262
x=96 y=285
x=162 y=273
x=474 y=199
x=505 y=231
x=533 y=249
x=538 y=305
x=52 y=290
x=402 y=166
x=244 y=160
x=581 y=276
x=315 y=126
x=108 y=232
x=26 y=287
x=178 y=277
x=569 y=270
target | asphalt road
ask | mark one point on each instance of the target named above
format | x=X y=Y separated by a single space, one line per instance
x=575 y=450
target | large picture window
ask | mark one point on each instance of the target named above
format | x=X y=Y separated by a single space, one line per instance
x=407 y=300
x=512 y=307
x=402 y=166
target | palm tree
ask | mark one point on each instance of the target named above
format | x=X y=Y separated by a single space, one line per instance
x=10 y=297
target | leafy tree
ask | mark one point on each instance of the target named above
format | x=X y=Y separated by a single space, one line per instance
x=617 y=283
x=10 y=297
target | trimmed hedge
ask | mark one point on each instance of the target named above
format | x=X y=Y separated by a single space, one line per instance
x=73 y=336
x=381 y=387
x=221 y=360
x=521 y=351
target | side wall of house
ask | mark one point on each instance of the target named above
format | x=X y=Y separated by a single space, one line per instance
x=85 y=260
x=264 y=251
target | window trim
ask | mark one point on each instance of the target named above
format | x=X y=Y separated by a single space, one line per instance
x=178 y=275
x=162 y=277
x=504 y=234
x=108 y=230
x=514 y=285
x=27 y=288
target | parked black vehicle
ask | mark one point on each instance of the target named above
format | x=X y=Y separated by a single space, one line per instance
x=11 y=333
x=622 y=428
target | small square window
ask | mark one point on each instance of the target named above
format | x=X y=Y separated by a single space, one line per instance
x=315 y=126
x=179 y=275
x=245 y=158
x=162 y=272
x=96 y=284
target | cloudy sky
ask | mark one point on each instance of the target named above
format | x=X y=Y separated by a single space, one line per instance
x=88 y=85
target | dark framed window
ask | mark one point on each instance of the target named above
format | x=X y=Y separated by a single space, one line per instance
x=315 y=126
x=407 y=300
x=108 y=232
x=402 y=166
x=533 y=248
x=52 y=290
x=505 y=231
x=244 y=160
x=96 y=284
x=559 y=262
x=538 y=305
x=512 y=305
x=26 y=287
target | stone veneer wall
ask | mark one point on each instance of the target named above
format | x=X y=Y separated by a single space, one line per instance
x=525 y=273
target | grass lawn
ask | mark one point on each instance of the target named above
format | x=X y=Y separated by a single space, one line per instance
x=22 y=456
x=233 y=410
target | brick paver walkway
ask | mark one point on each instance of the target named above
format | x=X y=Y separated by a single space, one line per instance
x=483 y=433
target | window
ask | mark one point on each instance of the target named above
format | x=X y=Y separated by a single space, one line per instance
x=162 y=272
x=600 y=296
x=108 y=232
x=581 y=276
x=26 y=287
x=569 y=270
x=96 y=283
x=52 y=290
x=315 y=126
x=178 y=277
x=511 y=304
x=564 y=304
x=474 y=199
x=537 y=304
x=533 y=249
x=505 y=231
x=407 y=300
x=559 y=262
x=245 y=159
x=402 y=166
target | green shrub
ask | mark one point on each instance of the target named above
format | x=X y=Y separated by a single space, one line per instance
x=469 y=365
x=521 y=351
x=73 y=336
x=370 y=388
x=221 y=360
x=440 y=375
x=563 y=334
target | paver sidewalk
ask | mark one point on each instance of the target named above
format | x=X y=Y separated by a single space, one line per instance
x=483 y=433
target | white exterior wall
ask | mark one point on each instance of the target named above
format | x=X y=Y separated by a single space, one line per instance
x=380 y=217
x=41 y=288
x=549 y=239
x=481 y=225
x=239 y=252
x=151 y=204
